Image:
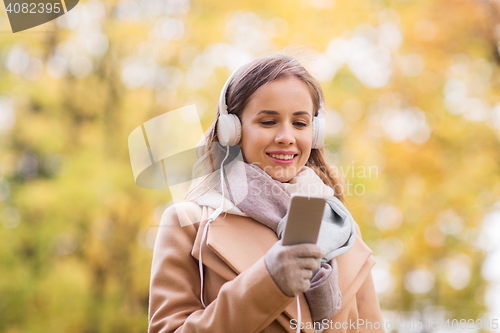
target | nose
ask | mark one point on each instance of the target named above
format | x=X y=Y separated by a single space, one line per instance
x=285 y=136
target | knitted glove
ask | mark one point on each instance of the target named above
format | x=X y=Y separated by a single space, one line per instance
x=292 y=266
x=324 y=296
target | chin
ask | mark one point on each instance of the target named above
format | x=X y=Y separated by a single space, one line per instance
x=276 y=172
x=282 y=179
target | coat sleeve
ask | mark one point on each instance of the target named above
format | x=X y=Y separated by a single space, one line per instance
x=369 y=307
x=248 y=303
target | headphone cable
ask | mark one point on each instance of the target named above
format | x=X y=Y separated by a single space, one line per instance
x=212 y=217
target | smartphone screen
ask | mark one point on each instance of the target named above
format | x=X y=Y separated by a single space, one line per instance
x=304 y=219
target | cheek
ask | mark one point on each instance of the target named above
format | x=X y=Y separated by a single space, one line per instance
x=254 y=136
x=305 y=141
x=251 y=141
x=305 y=146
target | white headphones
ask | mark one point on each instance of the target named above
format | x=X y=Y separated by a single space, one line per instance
x=229 y=125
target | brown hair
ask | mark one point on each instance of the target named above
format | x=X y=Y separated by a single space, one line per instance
x=248 y=79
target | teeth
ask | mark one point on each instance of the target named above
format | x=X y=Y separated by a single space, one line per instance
x=282 y=157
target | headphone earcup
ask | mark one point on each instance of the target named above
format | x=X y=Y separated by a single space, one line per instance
x=319 y=129
x=228 y=129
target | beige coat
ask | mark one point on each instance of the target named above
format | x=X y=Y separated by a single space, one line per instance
x=240 y=294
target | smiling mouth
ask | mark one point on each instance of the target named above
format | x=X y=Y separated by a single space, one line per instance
x=283 y=157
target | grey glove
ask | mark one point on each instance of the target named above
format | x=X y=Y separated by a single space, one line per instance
x=292 y=266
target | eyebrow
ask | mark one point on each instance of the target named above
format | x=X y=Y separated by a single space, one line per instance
x=298 y=113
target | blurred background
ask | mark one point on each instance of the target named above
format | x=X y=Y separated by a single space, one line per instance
x=412 y=92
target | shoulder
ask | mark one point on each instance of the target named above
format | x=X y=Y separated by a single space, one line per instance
x=182 y=214
x=358 y=260
x=358 y=231
x=178 y=227
x=361 y=246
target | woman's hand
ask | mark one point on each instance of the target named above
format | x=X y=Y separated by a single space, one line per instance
x=292 y=266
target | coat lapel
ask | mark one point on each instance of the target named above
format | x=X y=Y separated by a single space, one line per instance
x=239 y=241
x=210 y=258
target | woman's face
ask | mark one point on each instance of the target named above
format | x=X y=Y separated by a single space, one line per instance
x=277 y=127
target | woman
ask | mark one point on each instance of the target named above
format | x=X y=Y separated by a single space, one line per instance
x=230 y=272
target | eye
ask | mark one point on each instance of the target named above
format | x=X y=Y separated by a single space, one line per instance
x=267 y=123
x=300 y=124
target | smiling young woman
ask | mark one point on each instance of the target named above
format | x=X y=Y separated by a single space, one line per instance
x=236 y=276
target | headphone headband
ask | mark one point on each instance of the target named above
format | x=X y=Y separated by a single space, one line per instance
x=222 y=98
